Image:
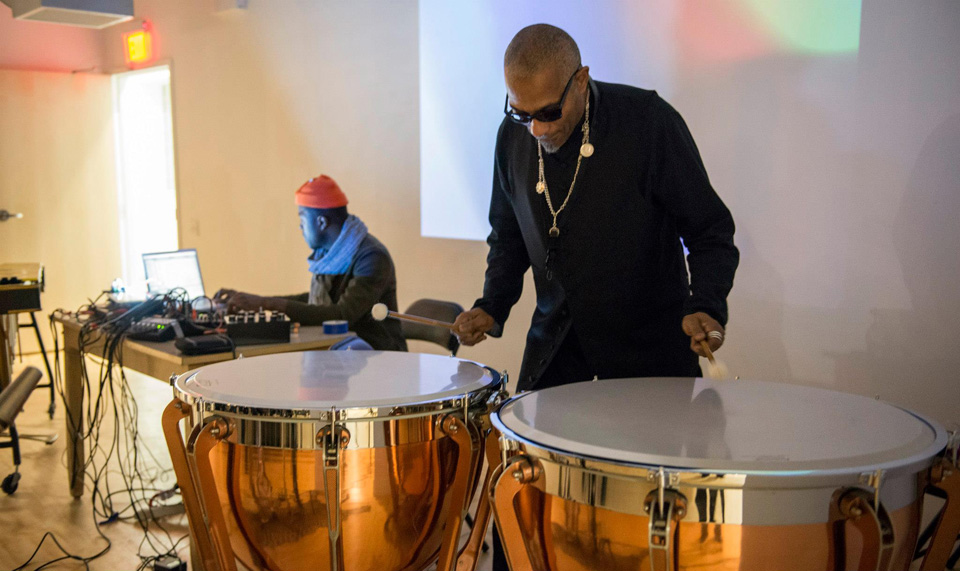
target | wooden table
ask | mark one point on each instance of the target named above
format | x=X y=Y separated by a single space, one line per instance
x=159 y=360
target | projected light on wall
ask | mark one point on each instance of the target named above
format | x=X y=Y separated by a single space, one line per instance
x=714 y=32
x=650 y=43
x=814 y=26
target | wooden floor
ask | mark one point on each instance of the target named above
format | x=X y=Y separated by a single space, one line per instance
x=43 y=504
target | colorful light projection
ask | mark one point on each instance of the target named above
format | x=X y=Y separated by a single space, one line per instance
x=738 y=30
x=654 y=44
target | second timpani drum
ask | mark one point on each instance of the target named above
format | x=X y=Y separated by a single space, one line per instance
x=330 y=459
x=692 y=474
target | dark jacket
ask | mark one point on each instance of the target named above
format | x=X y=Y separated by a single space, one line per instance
x=616 y=273
x=370 y=280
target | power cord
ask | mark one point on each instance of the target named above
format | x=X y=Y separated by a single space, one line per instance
x=109 y=396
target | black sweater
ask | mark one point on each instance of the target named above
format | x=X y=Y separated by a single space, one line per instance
x=616 y=272
x=371 y=279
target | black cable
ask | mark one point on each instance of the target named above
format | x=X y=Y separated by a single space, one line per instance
x=112 y=395
x=66 y=554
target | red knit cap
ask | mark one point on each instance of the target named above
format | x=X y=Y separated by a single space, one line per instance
x=321 y=192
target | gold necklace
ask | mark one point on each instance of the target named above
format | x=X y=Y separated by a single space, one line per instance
x=586 y=150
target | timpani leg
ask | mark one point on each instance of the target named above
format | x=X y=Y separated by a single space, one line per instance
x=202 y=440
x=946 y=477
x=509 y=481
x=467 y=560
x=458 y=432
x=202 y=551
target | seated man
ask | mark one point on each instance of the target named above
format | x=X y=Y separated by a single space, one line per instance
x=352 y=271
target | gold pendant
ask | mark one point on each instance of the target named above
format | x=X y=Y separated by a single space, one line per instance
x=541 y=187
x=554 y=232
x=586 y=150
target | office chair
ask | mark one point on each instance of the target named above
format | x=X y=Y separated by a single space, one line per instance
x=12 y=399
x=434 y=309
x=351 y=344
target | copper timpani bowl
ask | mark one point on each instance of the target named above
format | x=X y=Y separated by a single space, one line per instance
x=330 y=460
x=691 y=474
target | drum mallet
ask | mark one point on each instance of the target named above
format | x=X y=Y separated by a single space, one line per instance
x=716 y=370
x=380 y=312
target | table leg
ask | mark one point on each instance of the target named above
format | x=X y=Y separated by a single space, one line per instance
x=8 y=336
x=73 y=403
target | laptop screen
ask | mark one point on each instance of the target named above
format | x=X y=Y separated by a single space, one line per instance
x=167 y=270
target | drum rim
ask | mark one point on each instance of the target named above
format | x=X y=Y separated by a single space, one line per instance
x=355 y=412
x=736 y=478
x=913 y=463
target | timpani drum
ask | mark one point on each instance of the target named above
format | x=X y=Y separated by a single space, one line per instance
x=330 y=460
x=693 y=474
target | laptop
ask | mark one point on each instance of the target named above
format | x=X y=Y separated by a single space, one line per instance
x=168 y=270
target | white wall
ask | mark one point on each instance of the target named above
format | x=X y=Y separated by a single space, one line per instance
x=57 y=168
x=38 y=46
x=649 y=43
x=55 y=135
x=843 y=179
x=267 y=97
x=846 y=200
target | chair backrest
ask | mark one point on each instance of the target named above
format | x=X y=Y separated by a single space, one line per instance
x=17 y=393
x=434 y=309
x=351 y=344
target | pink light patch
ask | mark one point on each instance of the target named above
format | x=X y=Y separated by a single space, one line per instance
x=711 y=33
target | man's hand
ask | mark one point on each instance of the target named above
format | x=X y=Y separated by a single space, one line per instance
x=240 y=301
x=471 y=327
x=223 y=295
x=700 y=326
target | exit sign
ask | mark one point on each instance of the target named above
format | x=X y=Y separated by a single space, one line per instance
x=137 y=47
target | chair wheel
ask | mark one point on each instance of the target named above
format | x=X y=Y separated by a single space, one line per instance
x=10 y=483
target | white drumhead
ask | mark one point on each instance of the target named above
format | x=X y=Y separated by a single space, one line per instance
x=343 y=379
x=737 y=426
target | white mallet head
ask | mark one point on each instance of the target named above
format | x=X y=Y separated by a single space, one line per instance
x=717 y=370
x=379 y=311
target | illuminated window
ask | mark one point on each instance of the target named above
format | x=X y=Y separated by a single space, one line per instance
x=146 y=185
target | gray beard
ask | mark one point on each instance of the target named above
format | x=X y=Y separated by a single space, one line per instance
x=550 y=149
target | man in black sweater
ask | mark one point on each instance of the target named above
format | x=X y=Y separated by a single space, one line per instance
x=594 y=186
x=352 y=271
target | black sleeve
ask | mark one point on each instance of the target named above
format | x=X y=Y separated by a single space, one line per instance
x=301 y=297
x=371 y=277
x=507 y=259
x=681 y=186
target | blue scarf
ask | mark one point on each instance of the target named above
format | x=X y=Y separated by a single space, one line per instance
x=337 y=259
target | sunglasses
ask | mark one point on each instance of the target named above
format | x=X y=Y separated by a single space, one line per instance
x=548 y=114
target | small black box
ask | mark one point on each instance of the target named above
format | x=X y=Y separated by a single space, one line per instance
x=169 y=563
x=259 y=332
x=204 y=344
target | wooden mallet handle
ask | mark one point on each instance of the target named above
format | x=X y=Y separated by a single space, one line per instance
x=706 y=351
x=380 y=312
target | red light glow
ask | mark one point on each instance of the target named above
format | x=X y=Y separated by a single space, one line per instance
x=138 y=47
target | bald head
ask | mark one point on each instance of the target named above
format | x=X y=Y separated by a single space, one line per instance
x=539 y=48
